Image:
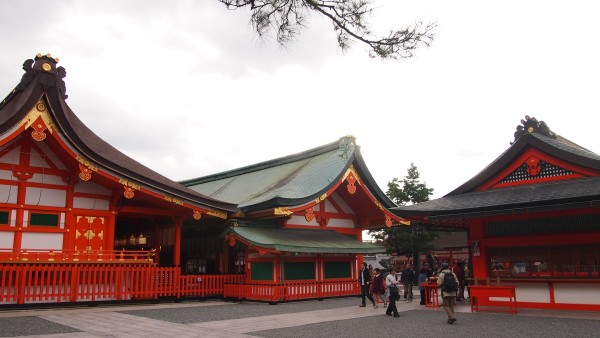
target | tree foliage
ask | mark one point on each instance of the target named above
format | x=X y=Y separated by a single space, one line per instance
x=349 y=19
x=402 y=239
x=412 y=190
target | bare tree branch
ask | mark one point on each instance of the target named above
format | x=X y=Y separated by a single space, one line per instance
x=349 y=19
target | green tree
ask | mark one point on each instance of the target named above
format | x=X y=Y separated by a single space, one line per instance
x=402 y=239
x=349 y=19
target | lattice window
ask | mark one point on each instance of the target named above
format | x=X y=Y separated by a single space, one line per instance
x=556 y=261
x=547 y=170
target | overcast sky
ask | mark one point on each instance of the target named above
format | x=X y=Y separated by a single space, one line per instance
x=186 y=88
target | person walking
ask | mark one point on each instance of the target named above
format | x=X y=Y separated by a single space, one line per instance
x=365 y=280
x=448 y=282
x=408 y=279
x=377 y=287
x=394 y=293
x=422 y=280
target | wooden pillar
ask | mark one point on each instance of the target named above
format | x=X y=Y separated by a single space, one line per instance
x=477 y=243
x=18 y=237
x=177 y=247
x=22 y=174
x=69 y=213
x=156 y=241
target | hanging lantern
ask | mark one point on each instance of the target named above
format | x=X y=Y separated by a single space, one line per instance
x=142 y=239
x=122 y=241
x=132 y=240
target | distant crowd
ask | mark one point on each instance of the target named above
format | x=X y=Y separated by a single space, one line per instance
x=397 y=284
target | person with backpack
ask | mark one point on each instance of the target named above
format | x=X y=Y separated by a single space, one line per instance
x=448 y=282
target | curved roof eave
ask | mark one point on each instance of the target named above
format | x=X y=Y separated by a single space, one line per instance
x=580 y=191
x=36 y=84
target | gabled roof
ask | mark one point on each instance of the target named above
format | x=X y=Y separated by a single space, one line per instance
x=469 y=200
x=43 y=81
x=291 y=180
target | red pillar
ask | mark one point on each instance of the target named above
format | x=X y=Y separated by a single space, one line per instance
x=177 y=248
x=477 y=243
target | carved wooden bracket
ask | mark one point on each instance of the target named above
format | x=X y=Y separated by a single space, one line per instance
x=128 y=193
x=309 y=214
x=85 y=174
x=351 y=187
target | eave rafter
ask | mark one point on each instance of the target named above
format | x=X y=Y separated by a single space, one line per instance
x=40 y=120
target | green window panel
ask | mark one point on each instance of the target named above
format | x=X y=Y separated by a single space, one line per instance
x=49 y=220
x=261 y=271
x=337 y=270
x=299 y=270
x=4 y=217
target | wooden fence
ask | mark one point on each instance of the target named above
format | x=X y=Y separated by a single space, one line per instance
x=292 y=290
x=61 y=283
x=58 y=283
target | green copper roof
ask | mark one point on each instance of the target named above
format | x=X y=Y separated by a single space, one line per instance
x=290 y=180
x=304 y=240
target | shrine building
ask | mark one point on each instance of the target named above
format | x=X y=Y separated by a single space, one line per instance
x=533 y=219
x=81 y=221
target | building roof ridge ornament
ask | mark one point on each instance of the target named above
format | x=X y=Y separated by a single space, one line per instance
x=531 y=125
x=347 y=144
x=44 y=64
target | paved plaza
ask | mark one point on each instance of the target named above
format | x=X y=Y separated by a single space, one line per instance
x=328 y=318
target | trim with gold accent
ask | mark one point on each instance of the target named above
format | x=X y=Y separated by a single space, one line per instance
x=217 y=213
x=282 y=211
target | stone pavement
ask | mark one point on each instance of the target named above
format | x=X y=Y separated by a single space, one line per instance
x=327 y=318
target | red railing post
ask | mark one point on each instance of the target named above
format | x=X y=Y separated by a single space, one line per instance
x=20 y=284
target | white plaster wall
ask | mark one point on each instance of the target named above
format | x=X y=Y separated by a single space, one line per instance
x=8 y=193
x=329 y=207
x=340 y=201
x=91 y=188
x=7 y=175
x=49 y=153
x=46 y=197
x=48 y=179
x=35 y=160
x=6 y=239
x=301 y=220
x=532 y=292
x=12 y=157
x=577 y=293
x=42 y=240
x=90 y=203
x=340 y=223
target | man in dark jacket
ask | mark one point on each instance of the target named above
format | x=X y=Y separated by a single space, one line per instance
x=408 y=279
x=365 y=280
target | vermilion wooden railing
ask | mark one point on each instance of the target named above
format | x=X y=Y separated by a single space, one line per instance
x=43 y=283
x=76 y=256
x=292 y=290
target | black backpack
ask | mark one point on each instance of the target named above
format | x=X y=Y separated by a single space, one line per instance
x=449 y=284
